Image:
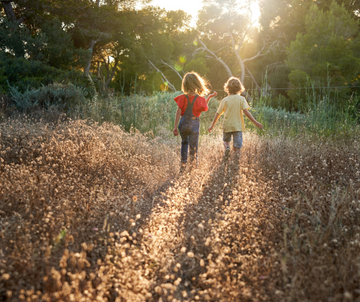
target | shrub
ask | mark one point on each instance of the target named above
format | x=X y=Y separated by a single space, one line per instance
x=62 y=96
x=145 y=113
x=25 y=74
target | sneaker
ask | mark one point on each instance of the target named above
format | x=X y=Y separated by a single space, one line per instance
x=227 y=154
x=182 y=168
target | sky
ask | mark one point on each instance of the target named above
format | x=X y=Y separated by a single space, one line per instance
x=193 y=6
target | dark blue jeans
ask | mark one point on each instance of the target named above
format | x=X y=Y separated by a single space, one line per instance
x=189 y=131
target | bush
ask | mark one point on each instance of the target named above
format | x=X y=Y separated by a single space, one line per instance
x=25 y=74
x=145 y=113
x=62 y=96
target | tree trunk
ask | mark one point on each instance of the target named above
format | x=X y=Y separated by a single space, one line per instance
x=253 y=79
x=9 y=11
x=241 y=62
x=228 y=70
x=88 y=63
x=109 y=79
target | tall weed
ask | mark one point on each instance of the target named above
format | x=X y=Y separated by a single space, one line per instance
x=145 y=113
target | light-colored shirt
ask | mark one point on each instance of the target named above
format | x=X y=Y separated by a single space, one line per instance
x=232 y=106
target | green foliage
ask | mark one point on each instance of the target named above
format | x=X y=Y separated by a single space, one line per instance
x=19 y=42
x=25 y=74
x=53 y=33
x=50 y=44
x=156 y=114
x=145 y=113
x=321 y=116
x=60 y=51
x=61 y=96
x=326 y=53
x=160 y=37
x=197 y=64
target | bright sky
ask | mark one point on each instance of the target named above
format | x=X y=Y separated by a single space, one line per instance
x=193 y=6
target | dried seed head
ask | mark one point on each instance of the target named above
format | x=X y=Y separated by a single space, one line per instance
x=190 y=254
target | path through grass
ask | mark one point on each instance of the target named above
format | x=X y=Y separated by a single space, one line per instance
x=90 y=212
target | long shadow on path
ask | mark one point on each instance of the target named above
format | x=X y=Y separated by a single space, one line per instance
x=226 y=235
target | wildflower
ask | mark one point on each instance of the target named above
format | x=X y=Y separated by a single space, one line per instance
x=190 y=254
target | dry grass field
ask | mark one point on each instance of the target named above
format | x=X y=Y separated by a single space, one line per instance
x=89 y=212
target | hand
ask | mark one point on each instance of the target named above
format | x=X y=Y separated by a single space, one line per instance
x=176 y=132
x=213 y=94
x=260 y=126
x=210 y=128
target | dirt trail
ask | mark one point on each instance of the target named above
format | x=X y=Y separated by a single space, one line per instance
x=211 y=234
x=92 y=213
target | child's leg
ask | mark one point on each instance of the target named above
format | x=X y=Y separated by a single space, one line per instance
x=184 y=133
x=227 y=139
x=184 y=148
x=194 y=141
x=238 y=141
x=237 y=152
x=226 y=142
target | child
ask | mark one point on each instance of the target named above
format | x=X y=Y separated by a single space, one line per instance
x=190 y=105
x=233 y=106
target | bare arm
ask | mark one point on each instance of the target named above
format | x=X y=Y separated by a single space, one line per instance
x=216 y=117
x=177 y=118
x=251 y=118
x=211 y=96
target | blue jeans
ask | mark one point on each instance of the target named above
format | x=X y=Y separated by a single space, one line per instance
x=237 y=135
x=189 y=131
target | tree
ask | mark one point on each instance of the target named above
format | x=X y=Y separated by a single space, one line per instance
x=160 y=49
x=227 y=34
x=327 y=52
x=281 y=21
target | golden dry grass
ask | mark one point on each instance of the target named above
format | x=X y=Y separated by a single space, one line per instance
x=89 y=212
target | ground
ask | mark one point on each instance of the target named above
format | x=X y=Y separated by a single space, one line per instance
x=89 y=212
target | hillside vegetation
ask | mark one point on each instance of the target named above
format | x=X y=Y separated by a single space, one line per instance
x=90 y=212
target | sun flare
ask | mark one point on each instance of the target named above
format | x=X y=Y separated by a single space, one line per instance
x=193 y=6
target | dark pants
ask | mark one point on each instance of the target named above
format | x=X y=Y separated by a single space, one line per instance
x=189 y=131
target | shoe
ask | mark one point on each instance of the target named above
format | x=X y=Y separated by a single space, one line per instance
x=182 y=168
x=227 y=154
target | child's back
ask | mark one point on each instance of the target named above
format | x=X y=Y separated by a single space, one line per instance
x=190 y=106
x=232 y=106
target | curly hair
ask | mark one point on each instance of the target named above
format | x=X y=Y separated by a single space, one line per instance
x=234 y=86
x=192 y=82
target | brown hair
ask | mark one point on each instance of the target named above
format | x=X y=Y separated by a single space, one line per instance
x=192 y=82
x=234 y=86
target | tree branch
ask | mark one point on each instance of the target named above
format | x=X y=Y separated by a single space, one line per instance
x=247 y=96
x=228 y=70
x=259 y=54
x=163 y=76
x=241 y=62
x=168 y=65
